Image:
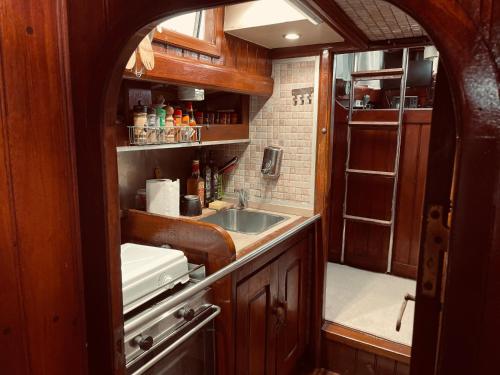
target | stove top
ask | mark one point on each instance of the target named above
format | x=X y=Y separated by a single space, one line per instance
x=148 y=271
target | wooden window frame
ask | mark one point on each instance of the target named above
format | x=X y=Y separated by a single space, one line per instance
x=211 y=46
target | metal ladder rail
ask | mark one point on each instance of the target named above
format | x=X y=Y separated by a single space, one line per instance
x=402 y=99
x=395 y=173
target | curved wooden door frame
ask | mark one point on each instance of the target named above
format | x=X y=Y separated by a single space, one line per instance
x=470 y=63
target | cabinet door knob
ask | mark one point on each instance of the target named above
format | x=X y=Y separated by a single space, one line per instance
x=323 y=131
x=280 y=312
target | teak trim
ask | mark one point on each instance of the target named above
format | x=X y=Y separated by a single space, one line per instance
x=211 y=46
x=181 y=71
x=364 y=341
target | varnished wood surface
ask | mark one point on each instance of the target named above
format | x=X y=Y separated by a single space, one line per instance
x=361 y=340
x=158 y=230
x=213 y=34
x=371 y=196
x=462 y=31
x=42 y=318
x=345 y=360
x=182 y=71
x=263 y=344
x=256 y=324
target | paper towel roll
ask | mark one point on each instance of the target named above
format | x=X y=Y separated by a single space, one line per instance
x=162 y=197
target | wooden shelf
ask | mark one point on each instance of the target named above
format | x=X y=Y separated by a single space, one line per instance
x=180 y=145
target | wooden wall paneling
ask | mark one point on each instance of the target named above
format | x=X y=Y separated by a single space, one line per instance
x=343 y=359
x=339 y=152
x=101 y=42
x=410 y=199
x=41 y=278
x=370 y=196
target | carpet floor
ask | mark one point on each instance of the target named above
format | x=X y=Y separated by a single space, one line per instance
x=369 y=302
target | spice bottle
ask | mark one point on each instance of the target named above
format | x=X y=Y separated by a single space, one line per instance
x=195 y=183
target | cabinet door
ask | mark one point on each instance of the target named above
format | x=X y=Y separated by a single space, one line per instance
x=293 y=296
x=256 y=324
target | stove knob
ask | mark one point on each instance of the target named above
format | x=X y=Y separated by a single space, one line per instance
x=144 y=343
x=186 y=313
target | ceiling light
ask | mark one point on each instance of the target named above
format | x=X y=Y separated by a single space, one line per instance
x=291 y=36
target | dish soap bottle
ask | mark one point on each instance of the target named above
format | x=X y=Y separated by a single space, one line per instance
x=195 y=183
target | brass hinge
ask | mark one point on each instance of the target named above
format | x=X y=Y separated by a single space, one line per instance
x=436 y=243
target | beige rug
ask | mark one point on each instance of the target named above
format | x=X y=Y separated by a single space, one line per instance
x=369 y=302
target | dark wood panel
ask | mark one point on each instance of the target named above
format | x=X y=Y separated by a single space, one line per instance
x=367 y=246
x=371 y=196
x=42 y=320
x=343 y=359
x=411 y=192
x=293 y=279
x=101 y=42
x=255 y=323
x=366 y=342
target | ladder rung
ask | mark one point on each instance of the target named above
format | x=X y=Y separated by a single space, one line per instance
x=375 y=124
x=366 y=171
x=368 y=220
x=378 y=74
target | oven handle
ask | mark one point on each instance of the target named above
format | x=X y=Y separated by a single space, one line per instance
x=177 y=343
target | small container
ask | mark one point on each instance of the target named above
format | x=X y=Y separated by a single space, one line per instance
x=190 y=205
x=140 y=114
x=199 y=117
x=151 y=117
x=161 y=113
x=234 y=118
x=206 y=118
x=211 y=118
x=178 y=117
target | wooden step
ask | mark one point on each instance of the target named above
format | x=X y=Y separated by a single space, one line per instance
x=366 y=342
x=378 y=74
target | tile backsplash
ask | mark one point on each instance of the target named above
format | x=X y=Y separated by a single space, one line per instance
x=281 y=121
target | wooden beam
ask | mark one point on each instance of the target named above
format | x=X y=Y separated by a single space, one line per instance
x=337 y=19
x=400 y=43
x=183 y=71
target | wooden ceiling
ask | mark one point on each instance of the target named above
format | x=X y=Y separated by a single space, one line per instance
x=379 y=20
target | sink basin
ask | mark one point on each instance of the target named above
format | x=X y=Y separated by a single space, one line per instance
x=244 y=221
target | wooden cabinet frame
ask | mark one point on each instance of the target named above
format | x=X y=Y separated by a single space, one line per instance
x=211 y=45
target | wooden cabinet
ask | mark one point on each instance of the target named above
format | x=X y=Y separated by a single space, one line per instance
x=272 y=314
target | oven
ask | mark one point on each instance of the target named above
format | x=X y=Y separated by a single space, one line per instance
x=180 y=341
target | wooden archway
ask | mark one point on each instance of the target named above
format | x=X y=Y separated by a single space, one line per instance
x=103 y=33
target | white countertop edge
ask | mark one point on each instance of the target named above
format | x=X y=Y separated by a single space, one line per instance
x=182 y=295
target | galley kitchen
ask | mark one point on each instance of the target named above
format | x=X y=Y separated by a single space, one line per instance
x=265 y=187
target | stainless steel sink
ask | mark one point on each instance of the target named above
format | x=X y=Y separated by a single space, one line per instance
x=244 y=221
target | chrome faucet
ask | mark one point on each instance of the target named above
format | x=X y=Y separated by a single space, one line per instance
x=242 y=199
